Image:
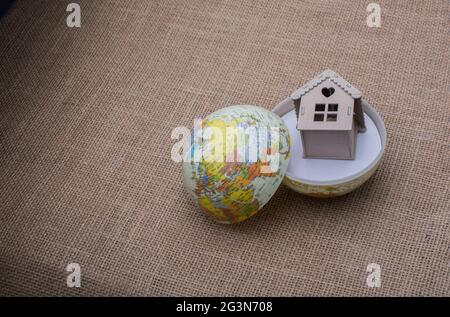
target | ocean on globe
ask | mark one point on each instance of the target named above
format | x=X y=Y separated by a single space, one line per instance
x=238 y=158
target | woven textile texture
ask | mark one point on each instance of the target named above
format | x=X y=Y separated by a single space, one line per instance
x=86 y=116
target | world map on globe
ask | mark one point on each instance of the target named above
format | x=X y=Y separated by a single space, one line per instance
x=232 y=191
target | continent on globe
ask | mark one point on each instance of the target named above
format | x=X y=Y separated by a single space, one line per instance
x=231 y=191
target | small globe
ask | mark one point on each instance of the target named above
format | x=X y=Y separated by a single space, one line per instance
x=236 y=162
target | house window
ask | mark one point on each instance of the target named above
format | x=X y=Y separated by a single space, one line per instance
x=333 y=107
x=328 y=111
x=320 y=107
x=331 y=117
x=318 y=117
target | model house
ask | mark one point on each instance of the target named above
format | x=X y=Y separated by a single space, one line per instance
x=329 y=116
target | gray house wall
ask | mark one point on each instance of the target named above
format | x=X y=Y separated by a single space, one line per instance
x=329 y=144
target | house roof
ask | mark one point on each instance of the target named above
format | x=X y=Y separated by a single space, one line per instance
x=327 y=74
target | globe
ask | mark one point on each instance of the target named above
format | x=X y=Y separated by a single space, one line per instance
x=237 y=160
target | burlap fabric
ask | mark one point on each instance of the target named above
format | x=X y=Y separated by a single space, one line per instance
x=85 y=171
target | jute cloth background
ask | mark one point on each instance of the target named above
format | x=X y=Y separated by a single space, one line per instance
x=85 y=171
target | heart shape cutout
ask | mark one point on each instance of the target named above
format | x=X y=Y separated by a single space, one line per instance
x=327 y=92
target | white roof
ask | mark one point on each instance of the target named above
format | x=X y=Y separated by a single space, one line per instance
x=327 y=74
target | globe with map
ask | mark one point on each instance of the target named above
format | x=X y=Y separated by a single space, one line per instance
x=237 y=160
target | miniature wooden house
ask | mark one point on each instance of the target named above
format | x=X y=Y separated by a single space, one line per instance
x=329 y=116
